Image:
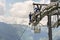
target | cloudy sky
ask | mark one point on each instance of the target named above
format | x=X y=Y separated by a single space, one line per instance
x=17 y=10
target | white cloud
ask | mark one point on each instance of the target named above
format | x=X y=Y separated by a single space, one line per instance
x=2 y=7
x=21 y=9
x=19 y=13
x=13 y=20
x=6 y=19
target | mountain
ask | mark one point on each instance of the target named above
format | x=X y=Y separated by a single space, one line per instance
x=12 y=31
x=23 y=32
x=7 y=32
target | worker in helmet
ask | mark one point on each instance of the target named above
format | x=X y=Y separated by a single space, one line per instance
x=36 y=9
x=30 y=18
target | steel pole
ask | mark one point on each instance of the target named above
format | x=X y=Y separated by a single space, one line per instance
x=49 y=27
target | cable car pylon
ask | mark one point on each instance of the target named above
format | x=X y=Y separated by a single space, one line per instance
x=39 y=15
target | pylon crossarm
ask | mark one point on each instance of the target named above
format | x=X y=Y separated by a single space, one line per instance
x=44 y=14
x=47 y=11
x=50 y=5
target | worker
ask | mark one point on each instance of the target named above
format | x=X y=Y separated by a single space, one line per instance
x=36 y=10
x=30 y=18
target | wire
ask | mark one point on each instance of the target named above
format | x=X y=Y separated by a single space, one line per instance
x=23 y=33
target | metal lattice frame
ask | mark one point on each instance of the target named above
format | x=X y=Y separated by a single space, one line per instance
x=46 y=12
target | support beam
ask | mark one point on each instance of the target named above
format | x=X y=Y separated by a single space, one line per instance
x=49 y=28
x=39 y=4
x=54 y=0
